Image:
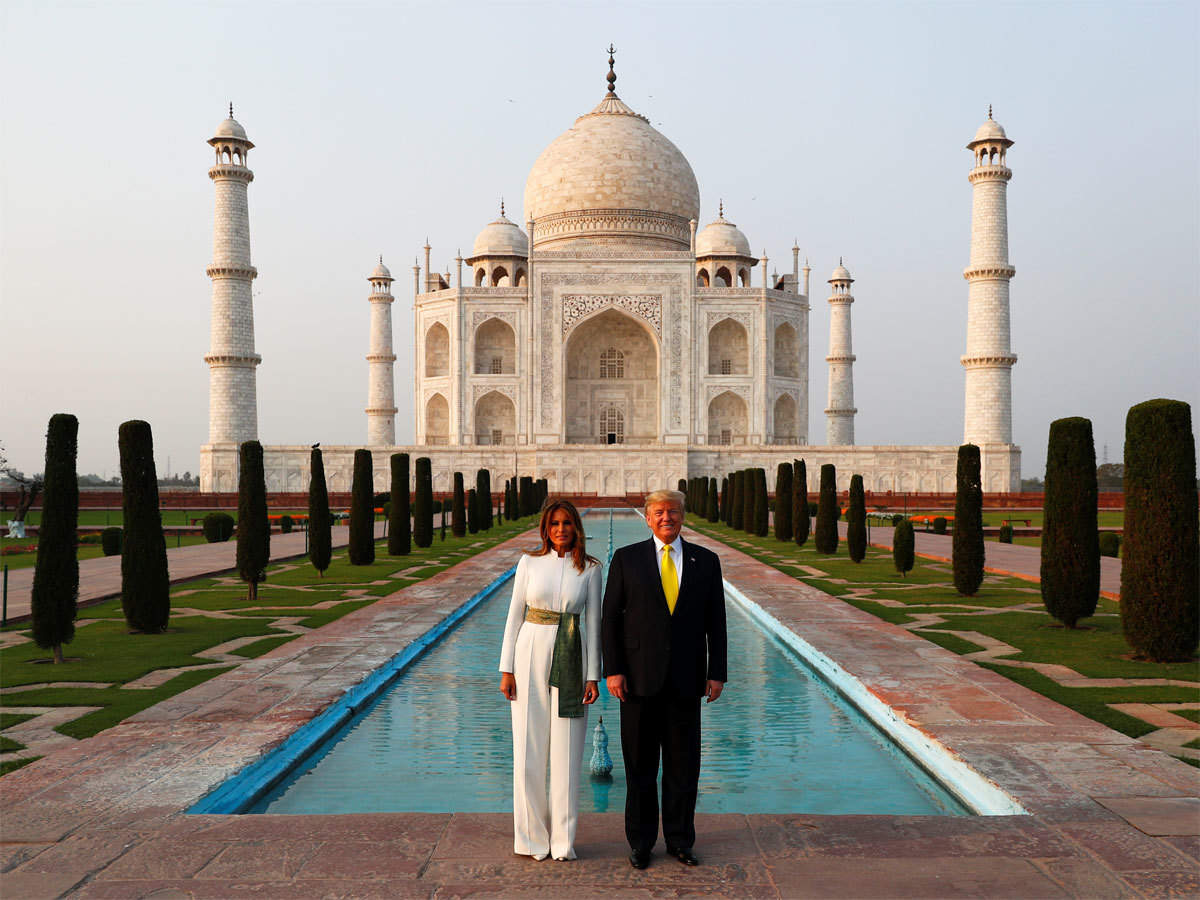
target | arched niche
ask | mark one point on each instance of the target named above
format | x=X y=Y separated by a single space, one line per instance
x=728 y=349
x=480 y=276
x=588 y=389
x=495 y=348
x=499 y=277
x=495 y=419
x=787 y=352
x=437 y=351
x=785 y=419
x=723 y=278
x=727 y=419
x=702 y=278
x=437 y=420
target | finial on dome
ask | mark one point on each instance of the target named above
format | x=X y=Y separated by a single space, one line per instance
x=231 y=109
x=721 y=209
x=502 y=207
x=840 y=263
x=989 y=110
x=612 y=74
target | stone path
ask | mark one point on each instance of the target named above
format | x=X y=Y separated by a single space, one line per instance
x=100 y=578
x=1108 y=816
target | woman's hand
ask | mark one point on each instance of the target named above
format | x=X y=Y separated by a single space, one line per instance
x=590 y=692
x=508 y=686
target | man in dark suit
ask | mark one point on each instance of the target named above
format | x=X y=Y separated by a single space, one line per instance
x=663 y=633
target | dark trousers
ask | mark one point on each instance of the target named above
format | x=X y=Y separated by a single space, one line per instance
x=666 y=724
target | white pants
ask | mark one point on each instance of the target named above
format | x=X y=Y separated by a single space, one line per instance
x=544 y=819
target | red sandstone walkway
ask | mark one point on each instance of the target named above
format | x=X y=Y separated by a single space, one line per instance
x=100 y=578
x=1002 y=559
x=1109 y=817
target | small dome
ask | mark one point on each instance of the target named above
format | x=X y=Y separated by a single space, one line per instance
x=722 y=238
x=381 y=271
x=230 y=128
x=501 y=238
x=841 y=273
x=990 y=131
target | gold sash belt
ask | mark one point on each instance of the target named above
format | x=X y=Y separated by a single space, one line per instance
x=542 y=616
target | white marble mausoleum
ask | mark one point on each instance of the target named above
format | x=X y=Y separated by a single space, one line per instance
x=616 y=343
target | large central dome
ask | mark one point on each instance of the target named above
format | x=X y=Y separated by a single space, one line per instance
x=611 y=179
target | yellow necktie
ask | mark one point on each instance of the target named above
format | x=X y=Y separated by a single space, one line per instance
x=670 y=581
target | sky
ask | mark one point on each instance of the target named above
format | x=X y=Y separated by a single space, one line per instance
x=841 y=126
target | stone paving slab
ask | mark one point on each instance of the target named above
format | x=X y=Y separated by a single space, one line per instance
x=104 y=817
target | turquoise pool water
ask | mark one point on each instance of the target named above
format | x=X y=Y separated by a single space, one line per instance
x=438 y=740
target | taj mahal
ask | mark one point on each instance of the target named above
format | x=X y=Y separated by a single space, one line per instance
x=614 y=344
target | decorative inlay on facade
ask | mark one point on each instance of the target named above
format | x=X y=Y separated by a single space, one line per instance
x=478 y=318
x=615 y=224
x=632 y=253
x=241 y=173
x=990 y=173
x=508 y=390
x=712 y=390
x=746 y=320
x=644 y=306
x=676 y=375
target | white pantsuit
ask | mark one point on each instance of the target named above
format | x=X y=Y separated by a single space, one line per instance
x=545 y=816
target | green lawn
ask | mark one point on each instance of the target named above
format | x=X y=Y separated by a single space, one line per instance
x=108 y=657
x=1005 y=609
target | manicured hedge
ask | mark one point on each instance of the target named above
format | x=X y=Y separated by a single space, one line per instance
x=56 y=571
x=362 y=510
x=320 y=523
x=1070 y=567
x=826 y=535
x=856 y=521
x=254 y=527
x=968 y=523
x=145 y=584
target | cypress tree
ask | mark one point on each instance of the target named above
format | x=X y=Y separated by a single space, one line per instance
x=510 y=502
x=483 y=493
x=714 y=506
x=1160 y=591
x=739 y=500
x=968 y=523
x=362 y=511
x=423 y=504
x=762 y=506
x=801 y=522
x=400 y=515
x=683 y=489
x=856 y=520
x=724 y=498
x=903 y=547
x=1070 y=572
x=145 y=584
x=783 y=502
x=748 y=498
x=253 y=528
x=56 y=573
x=826 y=535
x=320 y=523
x=458 y=509
x=472 y=511
x=526 y=502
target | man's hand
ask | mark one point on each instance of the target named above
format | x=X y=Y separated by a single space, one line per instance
x=508 y=685
x=713 y=690
x=616 y=686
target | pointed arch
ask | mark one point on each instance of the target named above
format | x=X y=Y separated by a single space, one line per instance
x=702 y=278
x=437 y=351
x=728 y=349
x=499 y=277
x=611 y=360
x=785 y=419
x=728 y=419
x=787 y=352
x=437 y=420
x=495 y=419
x=495 y=348
x=723 y=278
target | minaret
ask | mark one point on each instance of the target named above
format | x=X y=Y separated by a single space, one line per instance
x=989 y=360
x=232 y=394
x=381 y=390
x=839 y=417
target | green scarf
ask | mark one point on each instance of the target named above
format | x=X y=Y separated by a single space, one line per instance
x=566 y=667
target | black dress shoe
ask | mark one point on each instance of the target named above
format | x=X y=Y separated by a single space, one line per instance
x=639 y=859
x=685 y=856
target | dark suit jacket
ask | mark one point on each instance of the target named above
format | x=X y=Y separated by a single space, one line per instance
x=643 y=641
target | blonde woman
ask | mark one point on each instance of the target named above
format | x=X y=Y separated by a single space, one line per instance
x=550 y=669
